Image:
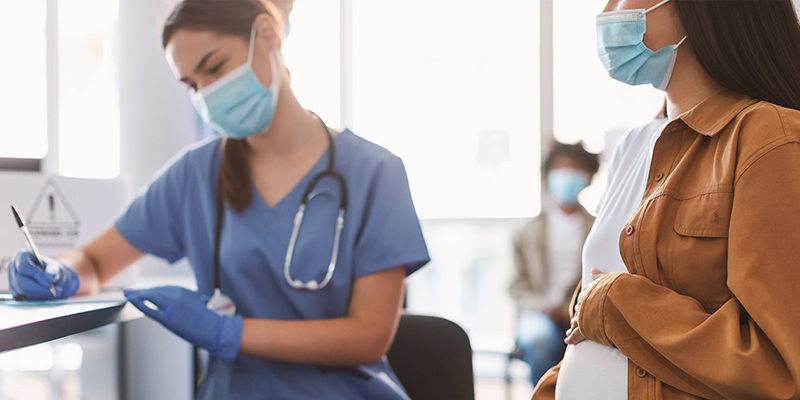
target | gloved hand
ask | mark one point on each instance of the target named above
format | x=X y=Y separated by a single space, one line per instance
x=26 y=279
x=184 y=312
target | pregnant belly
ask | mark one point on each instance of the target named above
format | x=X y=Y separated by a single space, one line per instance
x=592 y=371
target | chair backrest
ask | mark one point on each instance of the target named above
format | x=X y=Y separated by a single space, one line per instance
x=432 y=358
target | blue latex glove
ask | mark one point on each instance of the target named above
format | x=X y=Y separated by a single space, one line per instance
x=184 y=312
x=26 y=279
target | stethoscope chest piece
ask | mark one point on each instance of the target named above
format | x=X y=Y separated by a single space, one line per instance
x=221 y=304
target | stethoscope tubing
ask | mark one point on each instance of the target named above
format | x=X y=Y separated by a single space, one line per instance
x=308 y=195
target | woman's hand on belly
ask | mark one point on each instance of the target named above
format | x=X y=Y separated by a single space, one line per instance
x=574 y=334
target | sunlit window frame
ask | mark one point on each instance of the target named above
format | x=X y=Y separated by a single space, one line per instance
x=20 y=164
x=546 y=124
x=49 y=162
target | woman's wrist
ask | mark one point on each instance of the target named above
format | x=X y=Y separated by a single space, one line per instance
x=591 y=318
x=230 y=337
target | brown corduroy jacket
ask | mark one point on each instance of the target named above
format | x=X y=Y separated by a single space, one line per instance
x=709 y=309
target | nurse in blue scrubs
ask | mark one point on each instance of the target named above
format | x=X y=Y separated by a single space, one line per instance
x=289 y=304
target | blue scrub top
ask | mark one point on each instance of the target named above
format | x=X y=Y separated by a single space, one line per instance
x=174 y=218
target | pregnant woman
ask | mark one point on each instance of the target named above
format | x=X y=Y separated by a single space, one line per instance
x=692 y=268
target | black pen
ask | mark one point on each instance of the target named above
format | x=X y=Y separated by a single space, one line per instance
x=25 y=232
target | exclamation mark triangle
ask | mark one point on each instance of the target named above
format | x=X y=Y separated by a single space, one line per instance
x=51 y=208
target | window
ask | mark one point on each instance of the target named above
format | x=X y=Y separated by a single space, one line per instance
x=23 y=106
x=311 y=53
x=588 y=105
x=452 y=87
x=88 y=92
x=65 y=83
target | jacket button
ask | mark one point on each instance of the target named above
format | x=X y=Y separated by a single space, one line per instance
x=640 y=372
x=629 y=230
x=673 y=127
x=659 y=177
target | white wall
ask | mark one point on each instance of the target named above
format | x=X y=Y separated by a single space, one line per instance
x=156 y=117
x=157 y=121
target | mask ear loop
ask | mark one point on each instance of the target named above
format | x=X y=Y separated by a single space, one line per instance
x=656 y=6
x=273 y=64
x=668 y=75
x=252 y=45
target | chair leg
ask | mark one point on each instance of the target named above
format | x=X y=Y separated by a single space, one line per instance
x=507 y=375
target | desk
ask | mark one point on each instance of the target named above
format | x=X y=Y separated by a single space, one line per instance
x=22 y=326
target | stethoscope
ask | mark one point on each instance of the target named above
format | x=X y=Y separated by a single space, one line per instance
x=221 y=303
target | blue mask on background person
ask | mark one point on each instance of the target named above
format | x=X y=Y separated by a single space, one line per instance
x=237 y=105
x=564 y=184
x=624 y=55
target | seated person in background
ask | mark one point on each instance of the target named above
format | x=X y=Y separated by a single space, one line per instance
x=547 y=258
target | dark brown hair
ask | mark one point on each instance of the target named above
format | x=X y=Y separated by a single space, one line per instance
x=586 y=161
x=224 y=17
x=751 y=47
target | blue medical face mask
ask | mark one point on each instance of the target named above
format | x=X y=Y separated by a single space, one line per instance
x=237 y=105
x=564 y=184
x=624 y=55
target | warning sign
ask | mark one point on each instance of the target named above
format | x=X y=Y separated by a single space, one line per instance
x=52 y=220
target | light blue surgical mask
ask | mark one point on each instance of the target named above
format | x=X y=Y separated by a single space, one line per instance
x=237 y=105
x=624 y=55
x=564 y=184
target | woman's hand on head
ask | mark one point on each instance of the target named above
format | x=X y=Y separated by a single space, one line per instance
x=574 y=334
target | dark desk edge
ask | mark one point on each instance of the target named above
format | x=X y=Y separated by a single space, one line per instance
x=56 y=328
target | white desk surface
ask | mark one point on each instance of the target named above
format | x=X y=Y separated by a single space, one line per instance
x=24 y=324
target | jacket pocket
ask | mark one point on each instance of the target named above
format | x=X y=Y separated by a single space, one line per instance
x=707 y=215
x=699 y=258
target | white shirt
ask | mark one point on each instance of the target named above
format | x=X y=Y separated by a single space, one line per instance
x=591 y=370
x=563 y=254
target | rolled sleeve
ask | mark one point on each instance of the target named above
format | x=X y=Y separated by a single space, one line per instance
x=592 y=315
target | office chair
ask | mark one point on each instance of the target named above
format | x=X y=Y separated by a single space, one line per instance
x=432 y=358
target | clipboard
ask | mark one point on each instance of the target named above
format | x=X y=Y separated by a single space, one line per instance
x=115 y=296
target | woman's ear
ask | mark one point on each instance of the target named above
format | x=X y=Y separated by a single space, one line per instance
x=267 y=30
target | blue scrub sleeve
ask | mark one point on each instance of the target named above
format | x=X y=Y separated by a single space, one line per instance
x=390 y=234
x=153 y=221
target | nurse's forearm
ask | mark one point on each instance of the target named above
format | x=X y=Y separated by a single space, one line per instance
x=86 y=269
x=332 y=342
x=361 y=338
x=101 y=260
